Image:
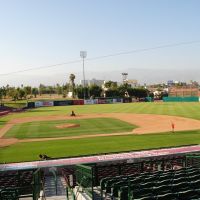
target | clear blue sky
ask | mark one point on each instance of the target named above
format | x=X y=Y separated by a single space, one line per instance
x=42 y=32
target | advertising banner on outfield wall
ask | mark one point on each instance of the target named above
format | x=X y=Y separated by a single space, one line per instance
x=109 y=101
x=127 y=100
x=90 y=101
x=38 y=104
x=47 y=103
x=78 y=102
x=105 y=101
x=43 y=103
x=117 y=100
x=31 y=105
x=101 y=101
x=63 y=103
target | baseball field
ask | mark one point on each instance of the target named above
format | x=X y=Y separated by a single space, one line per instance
x=97 y=129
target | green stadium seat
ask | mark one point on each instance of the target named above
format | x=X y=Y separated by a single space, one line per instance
x=167 y=196
x=142 y=193
x=164 y=182
x=195 y=184
x=180 y=180
x=150 y=179
x=116 y=186
x=194 y=177
x=166 y=176
x=108 y=185
x=162 y=189
x=146 y=198
x=147 y=185
x=180 y=186
x=103 y=181
x=179 y=175
x=195 y=199
x=192 y=172
x=9 y=194
x=123 y=193
x=187 y=195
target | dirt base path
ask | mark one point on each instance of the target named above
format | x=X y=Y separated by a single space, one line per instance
x=147 y=123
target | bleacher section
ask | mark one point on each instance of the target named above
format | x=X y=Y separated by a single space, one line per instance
x=20 y=184
x=171 y=177
x=165 y=178
x=173 y=184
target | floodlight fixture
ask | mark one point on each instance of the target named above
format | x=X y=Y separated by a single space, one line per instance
x=83 y=54
x=124 y=77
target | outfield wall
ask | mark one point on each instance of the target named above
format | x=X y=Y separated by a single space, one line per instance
x=44 y=103
x=181 y=99
x=4 y=113
x=37 y=104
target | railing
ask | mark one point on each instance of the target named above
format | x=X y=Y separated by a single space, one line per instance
x=193 y=159
x=37 y=184
x=70 y=195
x=85 y=179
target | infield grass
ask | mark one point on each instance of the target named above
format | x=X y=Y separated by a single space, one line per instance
x=46 y=129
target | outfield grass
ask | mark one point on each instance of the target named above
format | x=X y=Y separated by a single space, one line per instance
x=30 y=151
x=62 y=148
x=45 y=129
x=190 y=110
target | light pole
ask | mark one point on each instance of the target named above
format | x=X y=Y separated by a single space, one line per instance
x=124 y=77
x=83 y=55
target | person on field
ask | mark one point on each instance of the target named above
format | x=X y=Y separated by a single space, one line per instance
x=73 y=114
x=44 y=157
x=173 y=127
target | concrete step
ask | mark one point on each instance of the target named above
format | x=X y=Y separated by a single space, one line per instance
x=50 y=187
x=56 y=198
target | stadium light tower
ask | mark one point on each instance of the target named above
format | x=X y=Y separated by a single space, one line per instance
x=83 y=55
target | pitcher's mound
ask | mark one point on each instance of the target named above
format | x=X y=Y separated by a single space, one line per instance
x=68 y=126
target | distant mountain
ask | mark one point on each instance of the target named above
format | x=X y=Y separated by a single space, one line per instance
x=149 y=75
x=142 y=75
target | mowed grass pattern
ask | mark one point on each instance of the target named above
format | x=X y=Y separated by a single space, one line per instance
x=63 y=148
x=190 y=110
x=45 y=129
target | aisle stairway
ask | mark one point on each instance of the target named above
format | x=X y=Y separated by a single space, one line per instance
x=53 y=193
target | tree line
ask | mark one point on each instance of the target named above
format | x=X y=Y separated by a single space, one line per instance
x=109 y=89
x=27 y=92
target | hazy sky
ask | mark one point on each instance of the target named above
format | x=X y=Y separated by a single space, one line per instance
x=37 y=33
